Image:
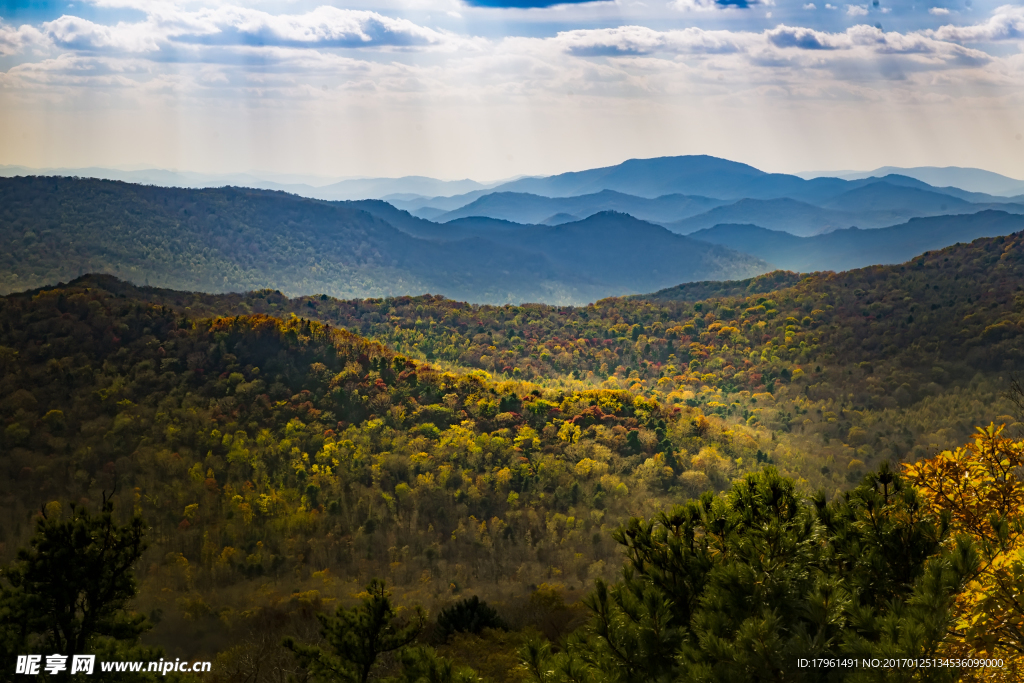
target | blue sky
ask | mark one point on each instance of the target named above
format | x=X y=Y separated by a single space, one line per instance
x=494 y=88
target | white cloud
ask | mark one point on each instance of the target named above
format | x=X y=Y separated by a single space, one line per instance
x=1006 y=23
x=212 y=53
x=322 y=26
x=331 y=82
x=720 y=5
x=778 y=48
x=76 y=33
x=856 y=10
x=806 y=39
x=16 y=40
x=938 y=11
x=325 y=26
x=640 y=40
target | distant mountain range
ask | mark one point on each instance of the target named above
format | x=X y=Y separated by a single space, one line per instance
x=230 y=239
x=875 y=205
x=522 y=207
x=692 y=193
x=303 y=185
x=853 y=248
x=792 y=216
x=702 y=176
x=970 y=179
x=566 y=239
x=648 y=178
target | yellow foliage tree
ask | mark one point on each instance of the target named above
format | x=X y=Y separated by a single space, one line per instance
x=981 y=486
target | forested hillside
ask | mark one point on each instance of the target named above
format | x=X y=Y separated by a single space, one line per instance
x=285 y=451
x=231 y=239
x=881 y=362
x=853 y=248
x=302 y=458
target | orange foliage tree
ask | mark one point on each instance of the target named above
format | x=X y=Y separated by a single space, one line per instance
x=981 y=487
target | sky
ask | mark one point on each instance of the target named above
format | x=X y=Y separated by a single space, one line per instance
x=491 y=89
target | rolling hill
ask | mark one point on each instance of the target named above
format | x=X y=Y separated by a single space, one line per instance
x=229 y=239
x=874 y=205
x=529 y=208
x=885 y=196
x=705 y=176
x=690 y=175
x=970 y=179
x=789 y=215
x=700 y=190
x=854 y=248
x=699 y=291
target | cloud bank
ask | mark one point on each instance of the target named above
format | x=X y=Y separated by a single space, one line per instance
x=355 y=69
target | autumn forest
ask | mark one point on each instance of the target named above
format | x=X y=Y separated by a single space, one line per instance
x=712 y=482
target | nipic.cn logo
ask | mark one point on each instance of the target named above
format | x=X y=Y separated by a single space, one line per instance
x=54 y=664
x=33 y=665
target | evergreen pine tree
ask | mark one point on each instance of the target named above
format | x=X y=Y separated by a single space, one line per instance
x=69 y=591
x=355 y=638
x=742 y=587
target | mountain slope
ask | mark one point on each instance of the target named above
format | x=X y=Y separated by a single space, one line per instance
x=789 y=215
x=699 y=291
x=913 y=355
x=853 y=248
x=608 y=243
x=607 y=247
x=970 y=179
x=522 y=207
x=687 y=175
x=884 y=196
x=53 y=229
x=691 y=175
x=435 y=206
x=872 y=205
x=696 y=175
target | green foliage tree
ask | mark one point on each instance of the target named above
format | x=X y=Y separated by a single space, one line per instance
x=356 y=637
x=423 y=665
x=471 y=615
x=741 y=587
x=69 y=591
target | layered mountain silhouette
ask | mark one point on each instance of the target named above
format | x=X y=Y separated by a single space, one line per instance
x=691 y=193
x=855 y=248
x=703 y=176
x=971 y=179
x=523 y=207
x=230 y=239
x=887 y=196
x=314 y=187
x=789 y=215
x=879 y=204
x=566 y=239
